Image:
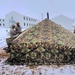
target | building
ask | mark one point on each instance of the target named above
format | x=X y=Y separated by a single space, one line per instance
x=64 y=21
x=2 y=22
x=25 y=21
x=13 y=17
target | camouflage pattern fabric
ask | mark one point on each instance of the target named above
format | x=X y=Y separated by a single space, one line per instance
x=44 y=43
x=47 y=30
x=41 y=53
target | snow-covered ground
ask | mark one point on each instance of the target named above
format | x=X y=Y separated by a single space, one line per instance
x=39 y=70
x=23 y=70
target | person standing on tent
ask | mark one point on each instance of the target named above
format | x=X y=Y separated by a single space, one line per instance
x=13 y=35
x=18 y=28
x=12 y=31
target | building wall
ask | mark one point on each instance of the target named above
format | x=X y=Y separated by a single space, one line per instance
x=64 y=21
x=25 y=21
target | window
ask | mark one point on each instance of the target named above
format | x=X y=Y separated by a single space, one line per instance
x=0 y=19
x=27 y=18
x=3 y=20
x=35 y=20
x=31 y=19
x=27 y=24
x=3 y=24
x=24 y=24
x=31 y=24
x=24 y=18
x=0 y=24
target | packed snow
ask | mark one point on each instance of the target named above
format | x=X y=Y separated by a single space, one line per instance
x=6 y=69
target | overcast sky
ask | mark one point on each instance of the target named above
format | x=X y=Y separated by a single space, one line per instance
x=35 y=8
